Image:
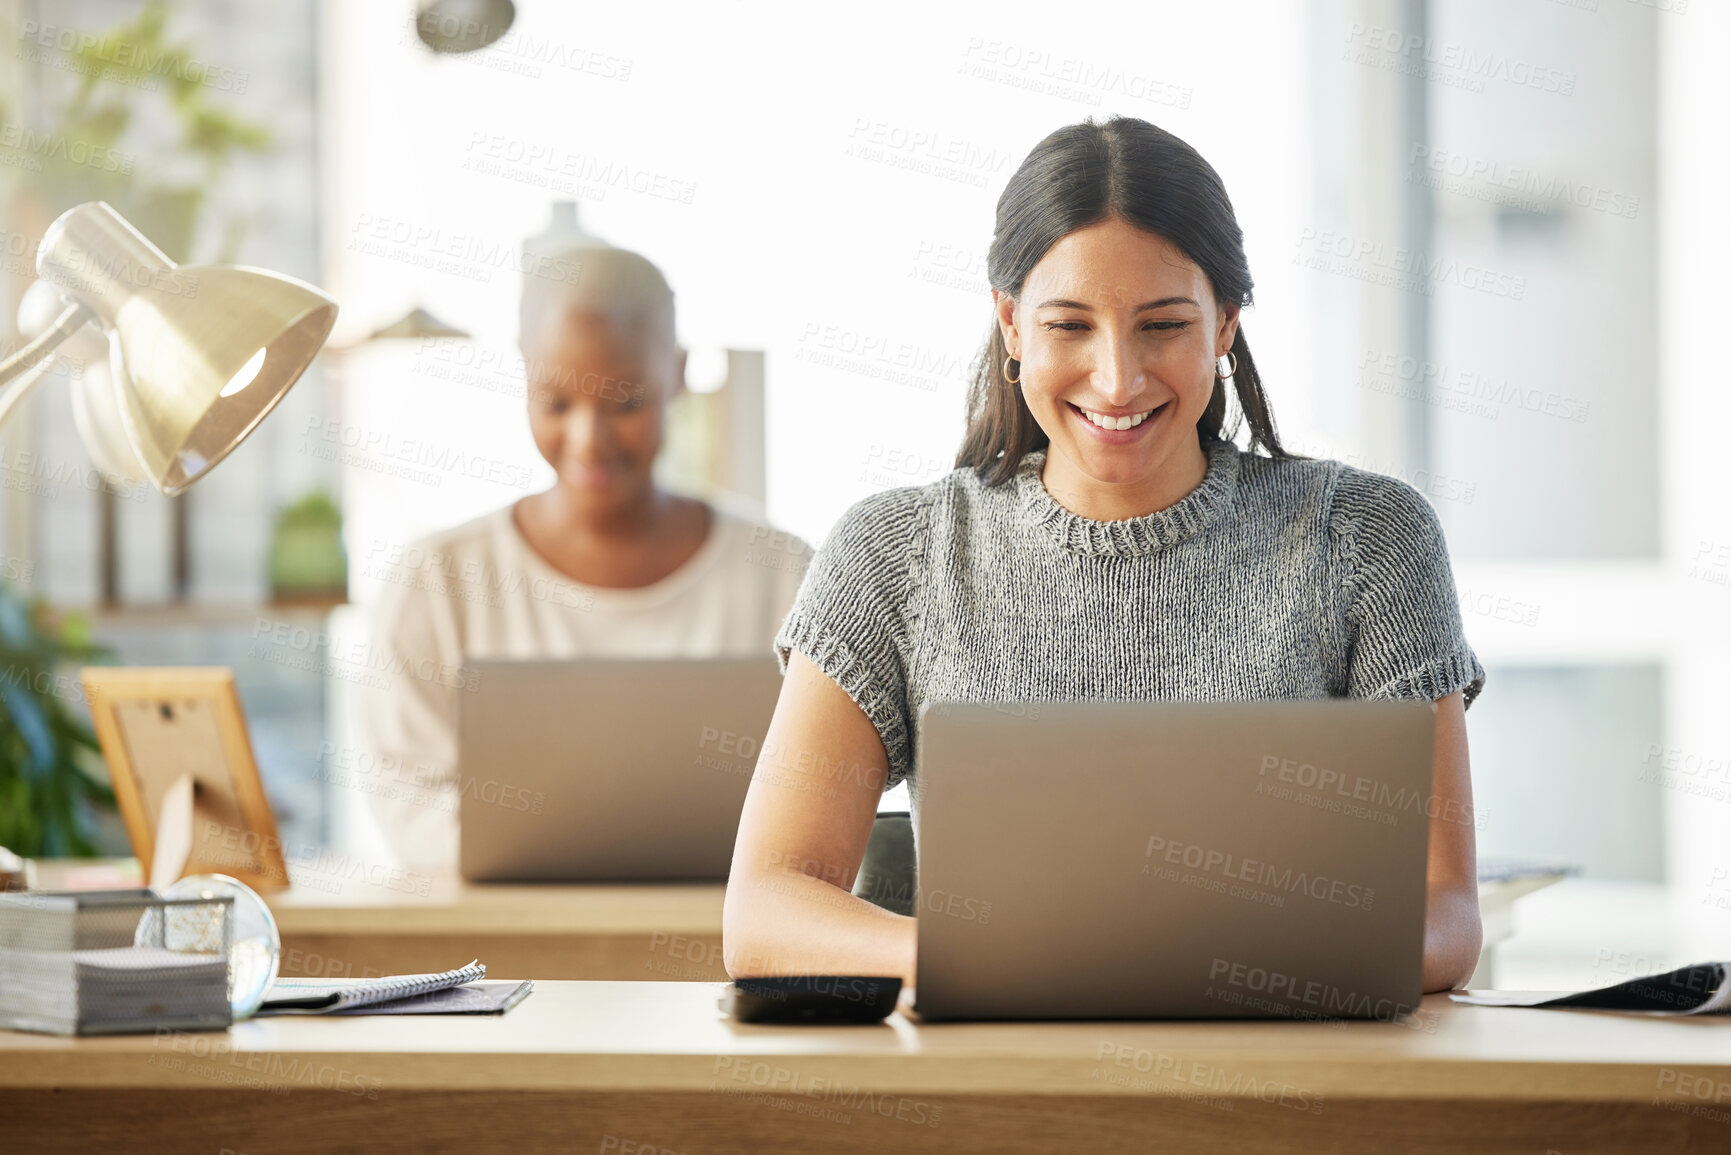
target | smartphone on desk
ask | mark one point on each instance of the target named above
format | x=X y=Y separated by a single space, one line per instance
x=814 y=999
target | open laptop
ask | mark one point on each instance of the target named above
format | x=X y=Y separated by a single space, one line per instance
x=1084 y=860
x=607 y=770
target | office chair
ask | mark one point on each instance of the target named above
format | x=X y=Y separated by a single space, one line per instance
x=887 y=877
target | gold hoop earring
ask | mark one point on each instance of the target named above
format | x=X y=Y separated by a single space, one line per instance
x=1017 y=379
x=1225 y=365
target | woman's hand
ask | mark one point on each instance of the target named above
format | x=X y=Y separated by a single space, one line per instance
x=808 y=815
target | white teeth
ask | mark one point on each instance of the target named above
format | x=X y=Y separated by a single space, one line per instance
x=1129 y=421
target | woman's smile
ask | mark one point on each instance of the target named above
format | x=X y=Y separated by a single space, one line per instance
x=1118 y=426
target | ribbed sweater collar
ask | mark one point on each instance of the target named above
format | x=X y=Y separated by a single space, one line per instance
x=1133 y=536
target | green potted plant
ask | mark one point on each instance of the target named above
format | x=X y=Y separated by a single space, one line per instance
x=307 y=560
x=51 y=770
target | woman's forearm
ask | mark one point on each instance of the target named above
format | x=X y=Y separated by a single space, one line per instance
x=791 y=923
x=1453 y=937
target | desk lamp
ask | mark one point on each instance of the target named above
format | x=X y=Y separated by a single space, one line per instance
x=199 y=353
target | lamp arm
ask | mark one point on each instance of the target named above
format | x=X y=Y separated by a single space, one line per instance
x=16 y=376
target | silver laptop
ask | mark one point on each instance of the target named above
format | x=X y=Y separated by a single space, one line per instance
x=601 y=770
x=1095 y=860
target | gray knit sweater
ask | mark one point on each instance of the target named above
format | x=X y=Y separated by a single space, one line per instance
x=1269 y=580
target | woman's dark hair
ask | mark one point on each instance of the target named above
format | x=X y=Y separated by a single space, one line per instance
x=1079 y=176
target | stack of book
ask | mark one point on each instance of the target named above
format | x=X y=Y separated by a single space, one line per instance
x=95 y=962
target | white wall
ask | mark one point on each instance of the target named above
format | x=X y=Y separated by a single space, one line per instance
x=1694 y=415
x=792 y=241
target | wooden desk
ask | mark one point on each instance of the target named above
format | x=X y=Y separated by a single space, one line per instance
x=643 y=932
x=408 y=924
x=649 y=1068
x=628 y=932
x=381 y=923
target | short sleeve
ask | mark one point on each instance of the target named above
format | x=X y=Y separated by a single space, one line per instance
x=1400 y=613
x=856 y=613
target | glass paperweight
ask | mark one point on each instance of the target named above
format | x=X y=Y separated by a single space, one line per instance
x=253 y=944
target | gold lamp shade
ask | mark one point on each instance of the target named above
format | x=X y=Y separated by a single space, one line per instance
x=204 y=351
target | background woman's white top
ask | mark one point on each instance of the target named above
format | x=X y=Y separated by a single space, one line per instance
x=480 y=591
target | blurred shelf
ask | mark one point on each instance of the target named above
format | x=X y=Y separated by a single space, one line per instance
x=206 y=614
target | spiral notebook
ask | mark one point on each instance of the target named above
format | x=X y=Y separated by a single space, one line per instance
x=1702 y=989
x=330 y=996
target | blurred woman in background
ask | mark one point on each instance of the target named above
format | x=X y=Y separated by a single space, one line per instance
x=603 y=564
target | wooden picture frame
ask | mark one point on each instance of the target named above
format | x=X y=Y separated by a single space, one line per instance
x=181 y=762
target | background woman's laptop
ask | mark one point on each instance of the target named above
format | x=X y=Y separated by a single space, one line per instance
x=1172 y=860
x=607 y=770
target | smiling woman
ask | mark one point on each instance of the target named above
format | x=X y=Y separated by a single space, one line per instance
x=604 y=563
x=1114 y=241
x=1102 y=538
